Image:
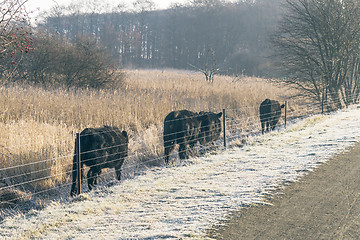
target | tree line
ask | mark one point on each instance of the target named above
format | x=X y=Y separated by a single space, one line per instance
x=312 y=45
x=32 y=56
x=232 y=36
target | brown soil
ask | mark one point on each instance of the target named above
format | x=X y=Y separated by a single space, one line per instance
x=325 y=204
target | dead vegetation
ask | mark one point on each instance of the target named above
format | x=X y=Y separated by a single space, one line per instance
x=37 y=125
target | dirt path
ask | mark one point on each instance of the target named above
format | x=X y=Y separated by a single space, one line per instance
x=323 y=205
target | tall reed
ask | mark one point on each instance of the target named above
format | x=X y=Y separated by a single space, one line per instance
x=37 y=125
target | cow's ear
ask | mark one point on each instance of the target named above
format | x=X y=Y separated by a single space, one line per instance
x=219 y=114
x=201 y=116
x=282 y=106
x=125 y=134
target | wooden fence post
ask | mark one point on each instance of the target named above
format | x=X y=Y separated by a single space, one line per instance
x=224 y=133
x=78 y=162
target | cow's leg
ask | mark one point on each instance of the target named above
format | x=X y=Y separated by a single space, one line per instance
x=262 y=127
x=168 y=151
x=92 y=177
x=267 y=126
x=168 y=148
x=192 y=148
x=182 y=147
x=96 y=177
x=273 y=124
x=182 y=151
x=118 y=172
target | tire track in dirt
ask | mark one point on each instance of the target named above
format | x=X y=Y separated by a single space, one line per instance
x=325 y=204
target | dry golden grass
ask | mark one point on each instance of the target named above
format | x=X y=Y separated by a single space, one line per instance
x=37 y=126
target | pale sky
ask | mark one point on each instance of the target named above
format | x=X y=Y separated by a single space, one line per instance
x=44 y=5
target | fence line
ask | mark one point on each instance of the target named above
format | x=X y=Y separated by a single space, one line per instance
x=52 y=159
x=227 y=109
x=33 y=163
x=94 y=158
x=228 y=126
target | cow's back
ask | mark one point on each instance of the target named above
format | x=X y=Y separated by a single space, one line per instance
x=179 y=124
x=103 y=146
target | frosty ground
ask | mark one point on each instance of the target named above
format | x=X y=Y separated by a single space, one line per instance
x=184 y=201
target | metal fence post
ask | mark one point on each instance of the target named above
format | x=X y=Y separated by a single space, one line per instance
x=224 y=133
x=78 y=163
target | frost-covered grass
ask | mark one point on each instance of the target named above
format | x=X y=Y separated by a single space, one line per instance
x=185 y=200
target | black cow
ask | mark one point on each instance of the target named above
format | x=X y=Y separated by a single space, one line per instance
x=181 y=127
x=210 y=126
x=270 y=112
x=104 y=147
x=186 y=128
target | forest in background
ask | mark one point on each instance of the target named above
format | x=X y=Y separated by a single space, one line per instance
x=232 y=38
x=309 y=44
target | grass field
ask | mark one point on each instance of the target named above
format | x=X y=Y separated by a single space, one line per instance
x=37 y=126
x=183 y=202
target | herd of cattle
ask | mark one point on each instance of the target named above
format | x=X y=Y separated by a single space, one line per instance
x=107 y=147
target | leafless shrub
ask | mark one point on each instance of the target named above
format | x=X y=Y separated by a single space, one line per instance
x=56 y=62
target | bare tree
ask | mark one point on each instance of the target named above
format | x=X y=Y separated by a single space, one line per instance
x=143 y=8
x=316 y=43
x=210 y=66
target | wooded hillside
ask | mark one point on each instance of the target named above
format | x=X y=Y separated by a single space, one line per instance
x=233 y=37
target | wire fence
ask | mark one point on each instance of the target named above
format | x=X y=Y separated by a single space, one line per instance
x=236 y=125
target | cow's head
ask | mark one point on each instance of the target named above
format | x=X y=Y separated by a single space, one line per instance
x=210 y=126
